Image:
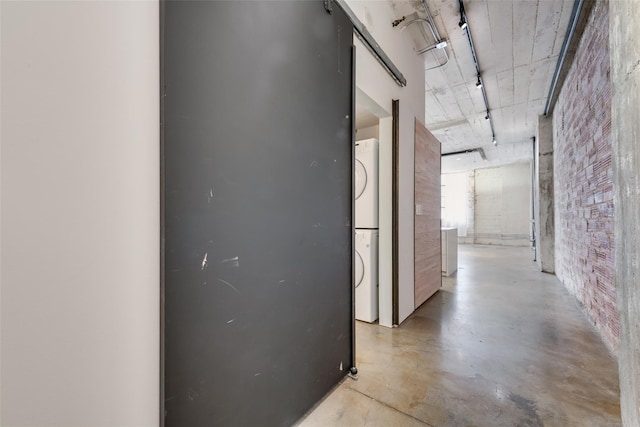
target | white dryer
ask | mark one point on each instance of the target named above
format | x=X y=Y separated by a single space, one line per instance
x=366 y=183
x=366 y=266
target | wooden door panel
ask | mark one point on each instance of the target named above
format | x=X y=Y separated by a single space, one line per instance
x=428 y=256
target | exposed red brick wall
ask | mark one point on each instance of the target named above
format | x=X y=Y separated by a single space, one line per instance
x=584 y=211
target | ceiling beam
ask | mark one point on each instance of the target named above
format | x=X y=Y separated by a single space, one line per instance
x=445 y=125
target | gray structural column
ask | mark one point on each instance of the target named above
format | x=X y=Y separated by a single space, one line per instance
x=545 y=231
x=624 y=39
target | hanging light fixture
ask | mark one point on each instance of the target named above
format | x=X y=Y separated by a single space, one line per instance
x=479 y=82
x=462 y=24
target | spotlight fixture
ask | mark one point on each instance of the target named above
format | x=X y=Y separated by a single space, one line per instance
x=478 y=83
x=494 y=141
x=462 y=24
x=487 y=116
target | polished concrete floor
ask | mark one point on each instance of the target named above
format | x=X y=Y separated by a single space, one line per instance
x=499 y=345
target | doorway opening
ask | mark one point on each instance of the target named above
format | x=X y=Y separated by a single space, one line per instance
x=374 y=207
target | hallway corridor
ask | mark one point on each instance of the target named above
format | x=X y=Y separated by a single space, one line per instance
x=499 y=345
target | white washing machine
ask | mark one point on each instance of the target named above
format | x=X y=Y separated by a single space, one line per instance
x=367 y=183
x=366 y=266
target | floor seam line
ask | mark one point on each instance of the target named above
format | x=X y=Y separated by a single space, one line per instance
x=391 y=407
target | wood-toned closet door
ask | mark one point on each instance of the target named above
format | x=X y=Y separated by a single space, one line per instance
x=428 y=257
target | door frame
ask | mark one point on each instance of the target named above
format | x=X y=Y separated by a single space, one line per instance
x=395 y=211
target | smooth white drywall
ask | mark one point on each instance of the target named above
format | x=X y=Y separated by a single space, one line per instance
x=80 y=214
x=385 y=223
x=368 y=133
x=373 y=80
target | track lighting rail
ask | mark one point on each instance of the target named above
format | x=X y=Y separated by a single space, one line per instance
x=464 y=25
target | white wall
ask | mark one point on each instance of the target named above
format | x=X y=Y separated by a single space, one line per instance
x=497 y=205
x=368 y=132
x=373 y=80
x=385 y=223
x=503 y=205
x=455 y=201
x=80 y=214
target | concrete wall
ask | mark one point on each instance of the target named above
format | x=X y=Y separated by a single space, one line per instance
x=374 y=81
x=80 y=214
x=544 y=201
x=625 y=110
x=583 y=179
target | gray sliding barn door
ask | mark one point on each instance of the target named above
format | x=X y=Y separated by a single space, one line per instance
x=257 y=209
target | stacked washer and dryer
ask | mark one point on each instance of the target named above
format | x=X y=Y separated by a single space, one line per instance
x=366 y=250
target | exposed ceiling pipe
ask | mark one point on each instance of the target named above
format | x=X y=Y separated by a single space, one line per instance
x=573 y=22
x=534 y=185
x=463 y=19
x=438 y=38
x=430 y=18
x=426 y=21
x=439 y=43
x=436 y=34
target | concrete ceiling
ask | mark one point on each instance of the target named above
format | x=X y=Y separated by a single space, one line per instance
x=517 y=45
